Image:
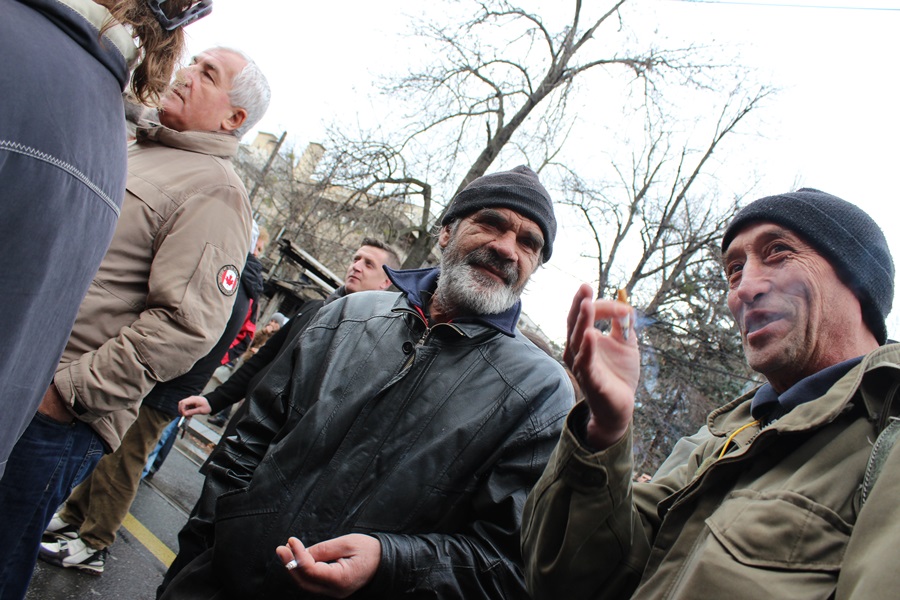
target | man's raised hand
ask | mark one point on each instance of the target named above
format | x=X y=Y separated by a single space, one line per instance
x=606 y=366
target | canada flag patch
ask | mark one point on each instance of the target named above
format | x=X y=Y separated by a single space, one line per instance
x=228 y=279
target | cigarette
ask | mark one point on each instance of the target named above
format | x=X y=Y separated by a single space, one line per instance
x=624 y=322
x=291 y=565
x=182 y=426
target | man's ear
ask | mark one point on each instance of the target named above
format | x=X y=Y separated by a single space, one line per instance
x=234 y=120
x=384 y=284
x=444 y=236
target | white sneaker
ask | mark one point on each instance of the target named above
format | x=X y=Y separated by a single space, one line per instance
x=57 y=528
x=73 y=553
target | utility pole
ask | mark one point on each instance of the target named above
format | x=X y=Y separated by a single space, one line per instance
x=265 y=170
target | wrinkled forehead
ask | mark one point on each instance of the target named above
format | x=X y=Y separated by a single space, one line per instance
x=757 y=233
x=752 y=230
x=507 y=217
x=224 y=60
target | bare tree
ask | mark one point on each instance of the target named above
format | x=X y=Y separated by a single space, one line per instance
x=325 y=219
x=502 y=80
x=503 y=83
x=656 y=226
x=658 y=199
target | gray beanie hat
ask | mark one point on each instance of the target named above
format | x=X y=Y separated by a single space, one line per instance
x=845 y=235
x=518 y=190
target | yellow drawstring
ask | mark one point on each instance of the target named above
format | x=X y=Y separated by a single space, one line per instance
x=731 y=437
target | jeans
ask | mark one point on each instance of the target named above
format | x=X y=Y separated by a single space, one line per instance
x=100 y=503
x=46 y=463
x=159 y=454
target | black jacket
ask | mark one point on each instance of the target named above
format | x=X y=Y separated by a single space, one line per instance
x=248 y=376
x=427 y=438
x=251 y=373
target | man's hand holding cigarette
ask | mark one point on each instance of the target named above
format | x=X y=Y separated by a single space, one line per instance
x=606 y=366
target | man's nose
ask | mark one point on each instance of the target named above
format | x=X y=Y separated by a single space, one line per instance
x=185 y=75
x=754 y=282
x=505 y=245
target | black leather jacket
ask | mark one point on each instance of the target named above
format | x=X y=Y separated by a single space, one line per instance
x=427 y=438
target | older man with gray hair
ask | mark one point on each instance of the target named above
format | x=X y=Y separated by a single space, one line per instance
x=389 y=453
x=160 y=300
x=784 y=498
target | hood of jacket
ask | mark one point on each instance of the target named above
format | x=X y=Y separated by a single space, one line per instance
x=82 y=20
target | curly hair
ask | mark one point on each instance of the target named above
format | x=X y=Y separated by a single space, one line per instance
x=160 y=49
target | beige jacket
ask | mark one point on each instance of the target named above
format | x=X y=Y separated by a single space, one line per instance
x=166 y=287
x=778 y=516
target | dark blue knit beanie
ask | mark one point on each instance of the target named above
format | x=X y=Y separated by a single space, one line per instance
x=844 y=234
x=519 y=190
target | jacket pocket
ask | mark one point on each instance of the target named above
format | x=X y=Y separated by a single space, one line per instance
x=239 y=503
x=780 y=530
x=242 y=549
x=764 y=545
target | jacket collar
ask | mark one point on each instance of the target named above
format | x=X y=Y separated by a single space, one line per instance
x=338 y=293
x=419 y=284
x=768 y=405
x=223 y=145
x=826 y=407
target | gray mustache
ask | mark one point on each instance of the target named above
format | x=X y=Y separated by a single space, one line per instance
x=486 y=257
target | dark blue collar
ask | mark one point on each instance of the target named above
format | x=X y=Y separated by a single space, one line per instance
x=767 y=405
x=419 y=284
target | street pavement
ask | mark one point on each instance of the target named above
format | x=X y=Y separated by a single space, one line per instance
x=148 y=540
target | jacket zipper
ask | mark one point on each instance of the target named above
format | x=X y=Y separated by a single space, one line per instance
x=424 y=338
x=412 y=355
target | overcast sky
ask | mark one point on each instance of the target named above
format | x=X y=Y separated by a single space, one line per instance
x=833 y=126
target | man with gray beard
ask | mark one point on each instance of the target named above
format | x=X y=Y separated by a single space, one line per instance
x=390 y=454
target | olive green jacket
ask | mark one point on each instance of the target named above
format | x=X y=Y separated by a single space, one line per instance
x=778 y=516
